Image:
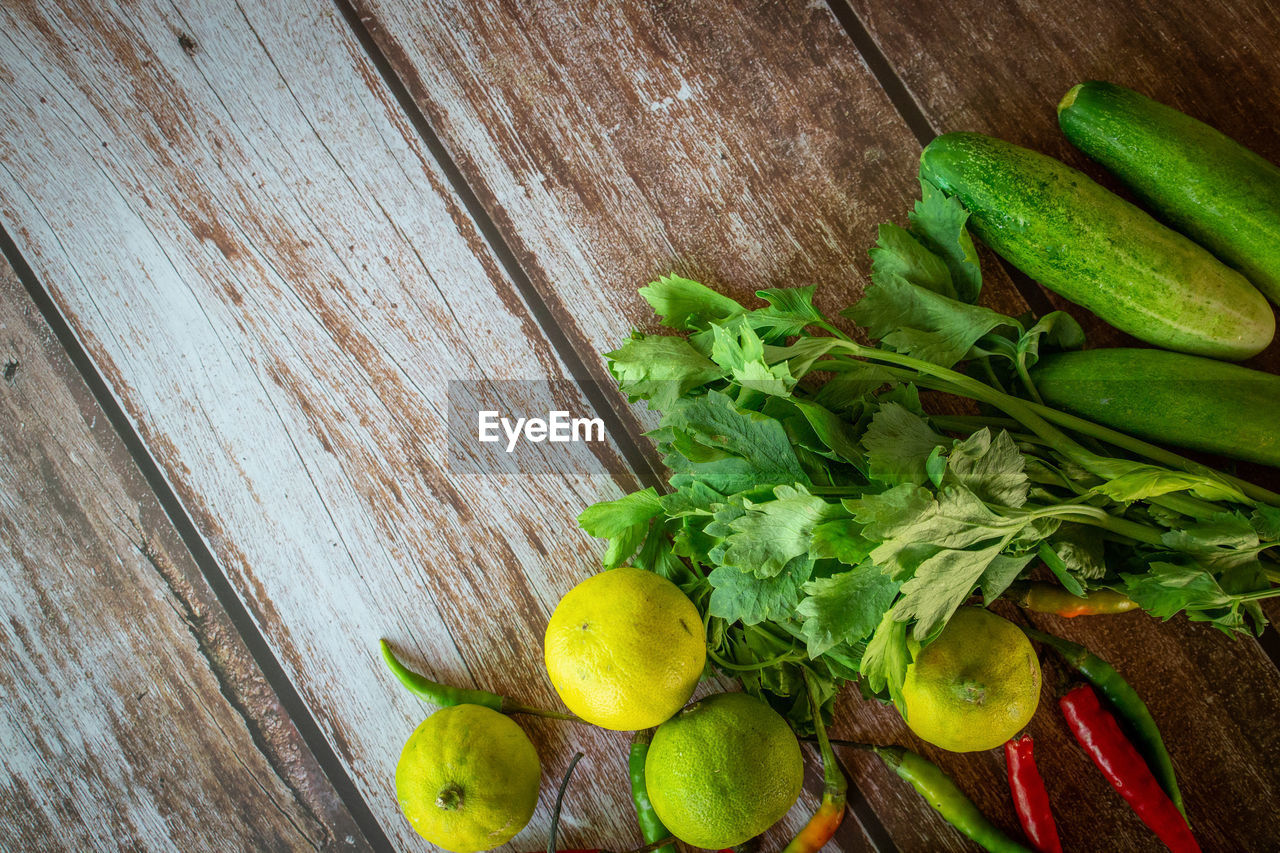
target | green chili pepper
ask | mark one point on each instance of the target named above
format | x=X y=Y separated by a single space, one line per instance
x=1127 y=703
x=651 y=828
x=942 y=793
x=445 y=696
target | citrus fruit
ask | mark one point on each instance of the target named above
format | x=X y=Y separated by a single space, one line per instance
x=467 y=779
x=625 y=649
x=723 y=770
x=975 y=686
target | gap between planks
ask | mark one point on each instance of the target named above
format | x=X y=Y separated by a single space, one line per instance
x=908 y=107
x=213 y=573
x=618 y=418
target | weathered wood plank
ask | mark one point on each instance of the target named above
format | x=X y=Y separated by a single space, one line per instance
x=612 y=144
x=134 y=715
x=264 y=262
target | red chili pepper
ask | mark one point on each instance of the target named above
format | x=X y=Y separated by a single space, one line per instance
x=1030 y=797
x=1099 y=733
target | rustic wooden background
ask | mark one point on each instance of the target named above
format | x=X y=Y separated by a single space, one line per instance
x=251 y=241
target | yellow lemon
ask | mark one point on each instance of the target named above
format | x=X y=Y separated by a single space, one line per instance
x=625 y=649
x=467 y=779
x=723 y=770
x=975 y=686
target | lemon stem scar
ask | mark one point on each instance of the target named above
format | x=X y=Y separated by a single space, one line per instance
x=972 y=691
x=450 y=798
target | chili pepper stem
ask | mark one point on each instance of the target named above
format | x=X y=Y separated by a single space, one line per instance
x=445 y=696
x=555 y=815
x=830 y=813
x=509 y=707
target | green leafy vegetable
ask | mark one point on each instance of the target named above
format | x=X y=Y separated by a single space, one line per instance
x=899 y=254
x=687 y=305
x=919 y=322
x=624 y=522
x=770 y=534
x=938 y=221
x=740 y=596
x=660 y=369
x=885 y=662
x=844 y=608
x=827 y=523
x=898 y=445
x=991 y=467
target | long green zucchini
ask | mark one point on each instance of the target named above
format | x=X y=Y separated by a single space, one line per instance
x=1169 y=398
x=1201 y=182
x=1084 y=242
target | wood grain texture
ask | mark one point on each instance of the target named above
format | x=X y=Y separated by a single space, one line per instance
x=611 y=144
x=134 y=717
x=263 y=261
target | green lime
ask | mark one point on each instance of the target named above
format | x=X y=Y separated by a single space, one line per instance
x=625 y=649
x=723 y=770
x=467 y=779
x=975 y=686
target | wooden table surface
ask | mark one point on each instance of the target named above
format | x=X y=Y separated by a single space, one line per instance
x=250 y=244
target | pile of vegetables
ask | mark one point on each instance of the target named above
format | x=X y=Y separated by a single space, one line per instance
x=824 y=521
x=841 y=486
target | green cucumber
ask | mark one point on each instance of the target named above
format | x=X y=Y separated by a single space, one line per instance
x=1169 y=398
x=1086 y=243
x=1201 y=182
